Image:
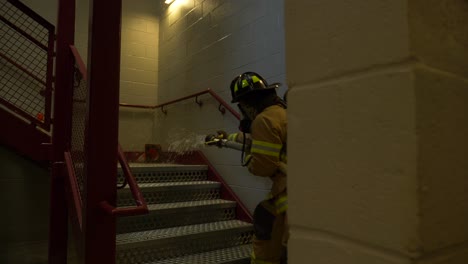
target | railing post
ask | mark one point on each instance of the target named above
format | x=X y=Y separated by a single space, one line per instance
x=58 y=223
x=49 y=79
x=102 y=130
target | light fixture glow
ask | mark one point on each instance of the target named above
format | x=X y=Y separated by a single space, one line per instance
x=168 y=2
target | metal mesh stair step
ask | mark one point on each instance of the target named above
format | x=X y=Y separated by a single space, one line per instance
x=154 y=245
x=232 y=255
x=194 y=205
x=178 y=214
x=162 y=186
x=169 y=192
x=148 y=172
x=182 y=231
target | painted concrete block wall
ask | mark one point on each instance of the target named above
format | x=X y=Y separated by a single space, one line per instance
x=443 y=147
x=138 y=66
x=24 y=195
x=205 y=44
x=139 y=71
x=377 y=118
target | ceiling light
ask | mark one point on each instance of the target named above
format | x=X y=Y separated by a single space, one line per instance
x=168 y=2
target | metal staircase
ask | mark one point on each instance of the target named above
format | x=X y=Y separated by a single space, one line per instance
x=191 y=218
x=188 y=222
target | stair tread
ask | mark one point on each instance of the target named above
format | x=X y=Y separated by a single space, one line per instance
x=168 y=166
x=172 y=184
x=187 y=204
x=225 y=255
x=155 y=207
x=179 y=231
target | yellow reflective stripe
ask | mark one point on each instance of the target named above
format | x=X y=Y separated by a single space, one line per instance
x=254 y=260
x=266 y=148
x=281 y=204
x=245 y=83
x=281 y=200
x=282 y=209
x=266 y=144
x=232 y=137
x=247 y=159
x=255 y=79
x=265 y=152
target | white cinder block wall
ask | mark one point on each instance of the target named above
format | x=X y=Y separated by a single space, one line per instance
x=139 y=71
x=205 y=44
x=184 y=48
x=377 y=131
x=138 y=66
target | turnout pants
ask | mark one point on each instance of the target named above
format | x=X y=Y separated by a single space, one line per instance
x=269 y=241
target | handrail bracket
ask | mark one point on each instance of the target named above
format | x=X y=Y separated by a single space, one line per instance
x=200 y=103
x=222 y=109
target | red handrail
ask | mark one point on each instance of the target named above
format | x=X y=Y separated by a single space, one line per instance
x=73 y=184
x=79 y=61
x=20 y=112
x=207 y=91
x=141 y=206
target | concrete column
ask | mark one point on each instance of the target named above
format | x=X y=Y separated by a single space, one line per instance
x=378 y=131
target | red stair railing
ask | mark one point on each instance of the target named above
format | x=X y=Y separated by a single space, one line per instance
x=76 y=157
x=27 y=52
x=87 y=144
x=140 y=204
x=222 y=104
x=198 y=157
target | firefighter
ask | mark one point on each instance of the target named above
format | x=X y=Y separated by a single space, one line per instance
x=264 y=127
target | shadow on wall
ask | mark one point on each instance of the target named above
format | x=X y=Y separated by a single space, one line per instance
x=24 y=196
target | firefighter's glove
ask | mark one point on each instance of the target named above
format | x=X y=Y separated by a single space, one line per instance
x=222 y=134
x=214 y=140
x=211 y=140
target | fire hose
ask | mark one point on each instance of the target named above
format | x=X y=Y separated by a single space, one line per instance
x=212 y=140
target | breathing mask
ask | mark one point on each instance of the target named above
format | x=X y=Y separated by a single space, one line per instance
x=248 y=115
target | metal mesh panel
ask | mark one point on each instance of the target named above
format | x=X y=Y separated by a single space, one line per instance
x=183 y=247
x=24 y=52
x=153 y=174
x=153 y=196
x=149 y=246
x=232 y=255
x=78 y=126
x=178 y=214
x=19 y=89
x=23 y=64
x=24 y=22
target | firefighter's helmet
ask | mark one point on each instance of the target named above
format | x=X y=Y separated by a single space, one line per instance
x=248 y=83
